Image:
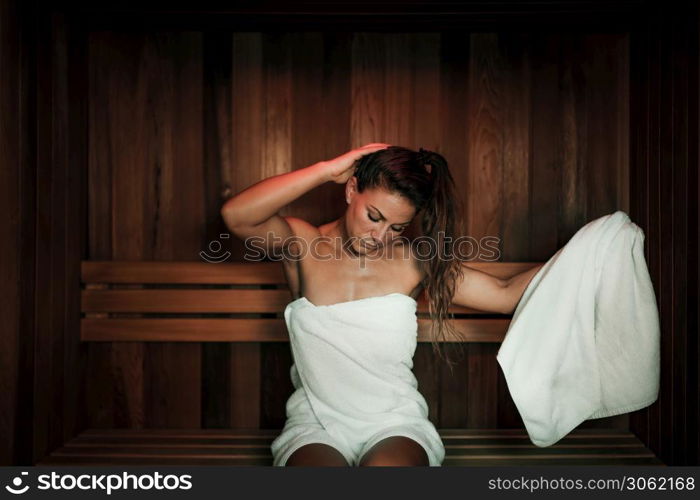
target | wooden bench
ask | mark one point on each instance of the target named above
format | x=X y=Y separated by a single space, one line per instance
x=463 y=447
x=243 y=302
x=227 y=302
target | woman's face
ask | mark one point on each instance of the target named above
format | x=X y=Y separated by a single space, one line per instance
x=375 y=217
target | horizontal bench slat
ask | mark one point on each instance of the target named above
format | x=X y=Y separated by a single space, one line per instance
x=203 y=301
x=245 y=330
x=251 y=273
x=463 y=447
x=178 y=272
x=131 y=299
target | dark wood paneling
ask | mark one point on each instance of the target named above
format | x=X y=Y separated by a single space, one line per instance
x=75 y=88
x=146 y=143
x=262 y=106
x=42 y=127
x=442 y=91
x=217 y=59
x=664 y=188
x=157 y=100
x=11 y=100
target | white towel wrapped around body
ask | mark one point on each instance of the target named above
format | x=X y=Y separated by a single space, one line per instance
x=584 y=339
x=353 y=378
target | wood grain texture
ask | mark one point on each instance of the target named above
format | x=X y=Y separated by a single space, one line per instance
x=251 y=447
x=217 y=127
x=510 y=113
x=11 y=100
x=664 y=183
x=135 y=134
x=147 y=127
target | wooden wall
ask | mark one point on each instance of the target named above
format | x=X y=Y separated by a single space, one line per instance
x=120 y=143
x=43 y=159
x=664 y=152
x=535 y=128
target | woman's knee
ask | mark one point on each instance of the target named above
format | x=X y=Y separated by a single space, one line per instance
x=395 y=451
x=316 y=454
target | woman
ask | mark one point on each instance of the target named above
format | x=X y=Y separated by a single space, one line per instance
x=360 y=262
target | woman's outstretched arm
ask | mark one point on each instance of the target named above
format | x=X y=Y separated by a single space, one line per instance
x=516 y=285
x=485 y=292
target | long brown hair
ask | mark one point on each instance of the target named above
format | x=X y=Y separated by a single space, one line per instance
x=431 y=190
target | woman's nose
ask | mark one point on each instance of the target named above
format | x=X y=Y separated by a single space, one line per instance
x=378 y=235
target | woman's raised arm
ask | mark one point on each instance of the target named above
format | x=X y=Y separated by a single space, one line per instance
x=253 y=211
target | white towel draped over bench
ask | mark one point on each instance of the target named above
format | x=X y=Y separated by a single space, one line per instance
x=584 y=339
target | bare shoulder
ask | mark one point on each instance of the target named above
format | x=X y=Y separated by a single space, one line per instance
x=306 y=232
x=302 y=228
x=409 y=264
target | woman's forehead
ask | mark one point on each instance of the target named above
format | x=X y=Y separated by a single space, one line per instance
x=390 y=204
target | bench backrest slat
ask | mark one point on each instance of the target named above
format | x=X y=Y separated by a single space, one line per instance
x=203 y=301
x=246 y=330
x=120 y=299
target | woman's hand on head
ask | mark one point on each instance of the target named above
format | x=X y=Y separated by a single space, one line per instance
x=340 y=169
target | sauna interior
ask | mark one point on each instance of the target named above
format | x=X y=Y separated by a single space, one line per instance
x=127 y=125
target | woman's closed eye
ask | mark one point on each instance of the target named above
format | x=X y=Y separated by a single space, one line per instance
x=393 y=228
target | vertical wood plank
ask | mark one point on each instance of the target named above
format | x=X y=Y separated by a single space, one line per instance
x=398 y=93
x=367 y=106
x=545 y=175
x=46 y=220
x=101 y=385
x=427 y=369
x=251 y=162
x=246 y=385
x=679 y=221
x=575 y=166
x=482 y=397
x=10 y=228
x=217 y=129
x=485 y=124
x=75 y=352
x=516 y=147
x=666 y=230
x=653 y=236
x=602 y=122
x=454 y=389
x=174 y=217
x=639 y=157
x=427 y=93
x=622 y=60
x=27 y=151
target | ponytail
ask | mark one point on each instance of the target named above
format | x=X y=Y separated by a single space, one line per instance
x=441 y=223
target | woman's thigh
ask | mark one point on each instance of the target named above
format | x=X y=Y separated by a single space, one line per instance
x=316 y=454
x=395 y=451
